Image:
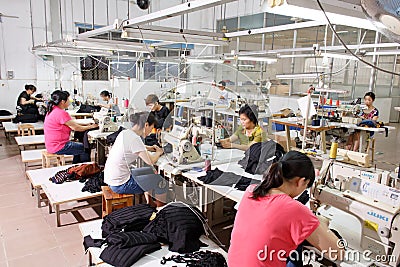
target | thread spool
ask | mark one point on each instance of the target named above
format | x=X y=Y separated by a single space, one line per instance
x=337 y=103
x=333 y=151
x=207 y=166
x=203 y=121
x=330 y=102
x=126 y=103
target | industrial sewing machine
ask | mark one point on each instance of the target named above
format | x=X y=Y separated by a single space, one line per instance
x=369 y=197
x=237 y=103
x=183 y=152
x=104 y=121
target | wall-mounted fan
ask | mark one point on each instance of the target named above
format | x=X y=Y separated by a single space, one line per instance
x=385 y=15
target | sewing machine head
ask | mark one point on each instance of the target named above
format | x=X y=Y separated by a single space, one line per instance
x=362 y=194
x=183 y=152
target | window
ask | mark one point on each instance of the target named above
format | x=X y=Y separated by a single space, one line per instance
x=94 y=68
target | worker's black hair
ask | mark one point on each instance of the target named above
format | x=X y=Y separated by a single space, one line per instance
x=223 y=83
x=141 y=118
x=251 y=111
x=151 y=99
x=371 y=95
x=292 y=164
x=105 y=93
x=55 y=99
x=30 y=87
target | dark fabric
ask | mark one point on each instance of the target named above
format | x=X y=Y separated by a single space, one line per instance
x=259 y=157
x=133 y=218
x=178 y=226
x=4 y=112
x=60 y=177
x=110 y=139
x=94 y=183
x=151 y=140
x=198 y=259
x=28 y=108
x=84 y=170
x=25 y=95
x=125 y=257
x=26 y=118
x=88 y=109
x=88 y=242
x=218 y=177
x=130 y=239
x=163 y=121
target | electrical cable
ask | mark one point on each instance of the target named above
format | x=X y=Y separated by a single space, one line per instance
x=347 y=49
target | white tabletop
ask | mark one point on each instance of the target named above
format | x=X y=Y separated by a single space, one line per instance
x=84 y=121
x=93 y=228
x=96 y=134
x=354 y=126
x=29 y=140
x=41 y=176
x=13 y=127
x=35 y=155
x=7 y=118
x=227 y=191
x=222 y=156
x=66 y=192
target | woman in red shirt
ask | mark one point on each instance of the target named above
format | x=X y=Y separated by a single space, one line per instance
x=270 y=224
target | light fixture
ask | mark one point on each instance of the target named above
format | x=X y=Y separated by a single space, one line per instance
x=121 y=63
x=383 y=53
x=246 y=66
x=70 y=51
x=174 y=35
x=292 y=76
x=339 y=12
x=295 y=55
x=337 y=55
x=113 y=45
x=267 y=60
x=205 y=60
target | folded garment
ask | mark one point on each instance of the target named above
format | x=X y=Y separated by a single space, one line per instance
x=179 y=226
x=130 y=239
x=218 y=177
x=125 y=257
x=88 y=242
x=133 y=218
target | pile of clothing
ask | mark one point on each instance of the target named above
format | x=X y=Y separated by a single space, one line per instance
x=90 y=174
x=257 y=160
x=130 y=233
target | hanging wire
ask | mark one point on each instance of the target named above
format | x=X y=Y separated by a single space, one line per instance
x=45 y=21
x=93 y=14
x=61 y=24
x=84 y=15
x=30 y=10
x=347 y=49
x=72 y=15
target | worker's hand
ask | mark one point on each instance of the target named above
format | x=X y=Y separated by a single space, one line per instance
x=158 y=150
x=93 y=126
x=226 y=143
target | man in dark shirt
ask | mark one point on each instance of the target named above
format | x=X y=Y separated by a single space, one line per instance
x=162 y=116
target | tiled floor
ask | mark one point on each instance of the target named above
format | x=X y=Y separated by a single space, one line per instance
x=29 y=236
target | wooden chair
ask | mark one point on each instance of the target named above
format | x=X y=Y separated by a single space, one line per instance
x=28 y=128
x=47 y=159
x=113 y=201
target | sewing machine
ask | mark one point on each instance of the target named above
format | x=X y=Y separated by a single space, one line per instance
x=104 y=121
x=367 y=196
x=236 y=104
x=183 y=152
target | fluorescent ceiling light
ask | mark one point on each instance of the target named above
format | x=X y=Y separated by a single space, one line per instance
x=72 y=52
x=327 y=90
x=258 y=59
x=246 y=66
x=339 y=12
x=383 y=53
x=204 y=60
x=335 y=55
x=295 y=55
x=290 y=76
x=111 y=45
x=121 y=63
x=172 y=37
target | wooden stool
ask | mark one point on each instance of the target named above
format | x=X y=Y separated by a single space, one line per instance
x=28 y=128
x=113 y=201
x=371 y=146
x=48 y=157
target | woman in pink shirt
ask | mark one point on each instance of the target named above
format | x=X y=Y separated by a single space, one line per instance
x=57 y=129
x=270 y=224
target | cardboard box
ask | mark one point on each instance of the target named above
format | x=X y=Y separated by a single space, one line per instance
x=279 y=89
x=281 y=139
